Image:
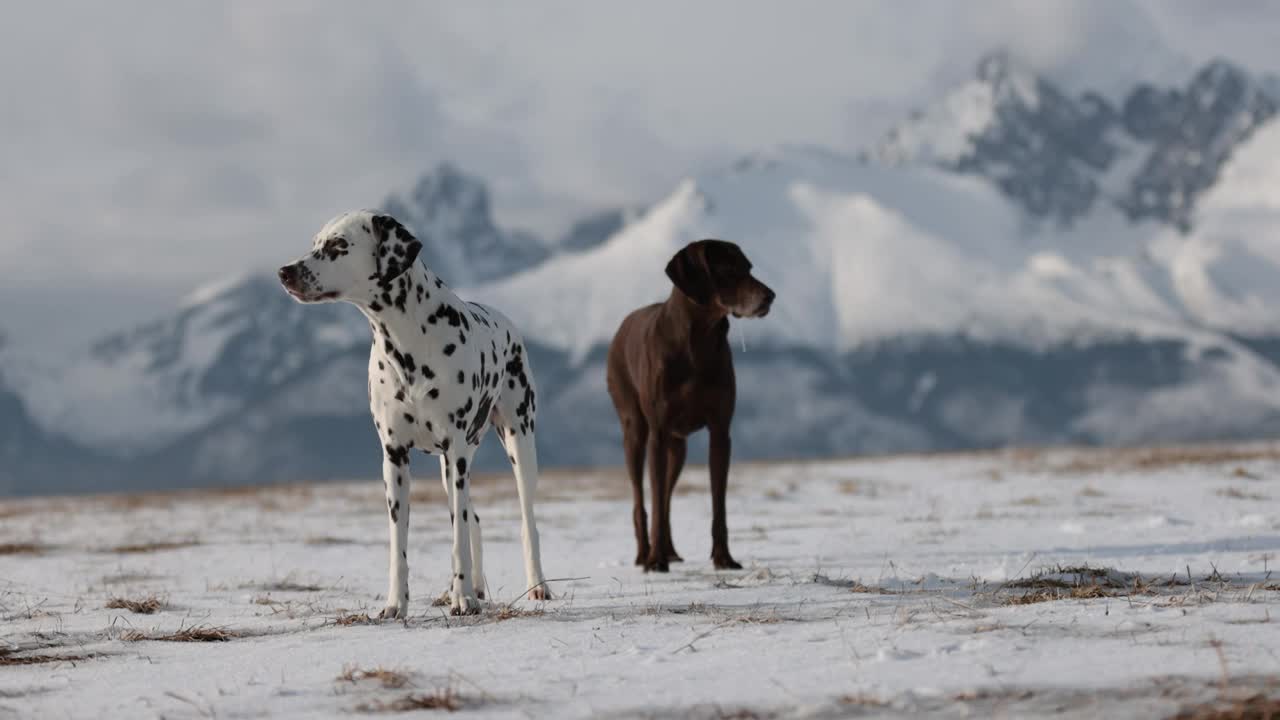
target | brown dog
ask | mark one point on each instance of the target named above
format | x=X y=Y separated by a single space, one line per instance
x=670 y=373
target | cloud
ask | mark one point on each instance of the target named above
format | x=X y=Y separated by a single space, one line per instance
x=160 y=145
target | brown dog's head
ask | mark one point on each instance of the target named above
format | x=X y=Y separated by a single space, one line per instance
x=715 y=273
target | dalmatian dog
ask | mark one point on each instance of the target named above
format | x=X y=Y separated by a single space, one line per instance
x=441 y=372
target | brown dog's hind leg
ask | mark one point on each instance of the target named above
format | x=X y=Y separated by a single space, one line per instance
x=635 y=439
x=719 y=467
x=676 y=452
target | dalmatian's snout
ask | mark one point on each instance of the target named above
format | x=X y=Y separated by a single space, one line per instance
x=300 y=282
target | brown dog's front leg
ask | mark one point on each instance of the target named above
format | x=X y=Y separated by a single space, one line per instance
x=658 y=537
x=635 y=440
x=719 y=467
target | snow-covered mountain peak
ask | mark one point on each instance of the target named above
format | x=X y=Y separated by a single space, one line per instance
x=451 y=213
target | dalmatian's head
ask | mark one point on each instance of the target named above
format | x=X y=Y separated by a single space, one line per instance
x=353 y=257
x=715 y=274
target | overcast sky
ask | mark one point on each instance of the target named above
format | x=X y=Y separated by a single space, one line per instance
x=150 y=147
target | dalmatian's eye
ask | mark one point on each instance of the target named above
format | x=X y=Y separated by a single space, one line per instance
x=334 y=248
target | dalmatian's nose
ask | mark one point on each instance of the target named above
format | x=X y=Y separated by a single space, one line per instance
x=288 y=274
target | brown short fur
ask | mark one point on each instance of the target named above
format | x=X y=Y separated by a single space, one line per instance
x=670 y=373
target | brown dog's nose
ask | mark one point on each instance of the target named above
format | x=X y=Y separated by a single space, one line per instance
x=769 y=295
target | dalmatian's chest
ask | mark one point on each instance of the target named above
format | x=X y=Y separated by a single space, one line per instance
x=442 y=396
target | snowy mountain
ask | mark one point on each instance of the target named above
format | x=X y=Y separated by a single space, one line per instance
x=1152 y=157
x=449 y=211
x=1013 y=264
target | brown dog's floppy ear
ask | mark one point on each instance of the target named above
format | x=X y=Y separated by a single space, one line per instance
x=688 y=272
x=395 y=248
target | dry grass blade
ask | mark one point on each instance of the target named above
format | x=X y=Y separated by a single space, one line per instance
x=145 y=606
x=444 y=699
x=390 y=679
x=191 y=634
x=139 y=548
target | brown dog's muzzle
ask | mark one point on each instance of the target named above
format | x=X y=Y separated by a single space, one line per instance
x=766 y=301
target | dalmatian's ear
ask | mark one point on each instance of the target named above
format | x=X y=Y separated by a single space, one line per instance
x=688 y=272
x=395 y=248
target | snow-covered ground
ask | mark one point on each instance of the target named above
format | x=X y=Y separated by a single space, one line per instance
x=1083 y=583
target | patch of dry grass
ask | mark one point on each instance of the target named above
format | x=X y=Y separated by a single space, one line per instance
x=150 y=547
x=329 y=540
x=144 y=606
x=1252 y=707
x=10 y=660
x=192 y=634
x=1236 y=493
x=509 y=612
x=1241 y=472
x=1090 y=461
x=125 y=578
x=22 y=549
x=1050 y=594
x=867 y=701
x=285 y=585
x=446 y=699
x=350 y=619
x=1090 y=491
x=389 y=679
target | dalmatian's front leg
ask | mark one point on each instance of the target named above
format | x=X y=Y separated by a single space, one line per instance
x=463 y=598
x=395 y=476
x=477 y=553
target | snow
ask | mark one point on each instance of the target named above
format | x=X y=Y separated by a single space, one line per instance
x=891 y=586
x=944 y=132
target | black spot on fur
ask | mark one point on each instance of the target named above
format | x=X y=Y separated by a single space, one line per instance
x=464 y=519
x=397 y=455
x=400 y=395
x=462 y=377
x=462 y=466
x=448 y=349
x=409 y=418
x=433 y=393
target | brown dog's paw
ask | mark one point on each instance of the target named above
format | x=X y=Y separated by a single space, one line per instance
x=726 y=562
x=656 y=565
x=673 y=556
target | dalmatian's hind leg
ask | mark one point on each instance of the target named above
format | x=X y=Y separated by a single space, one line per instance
x=522 y=451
